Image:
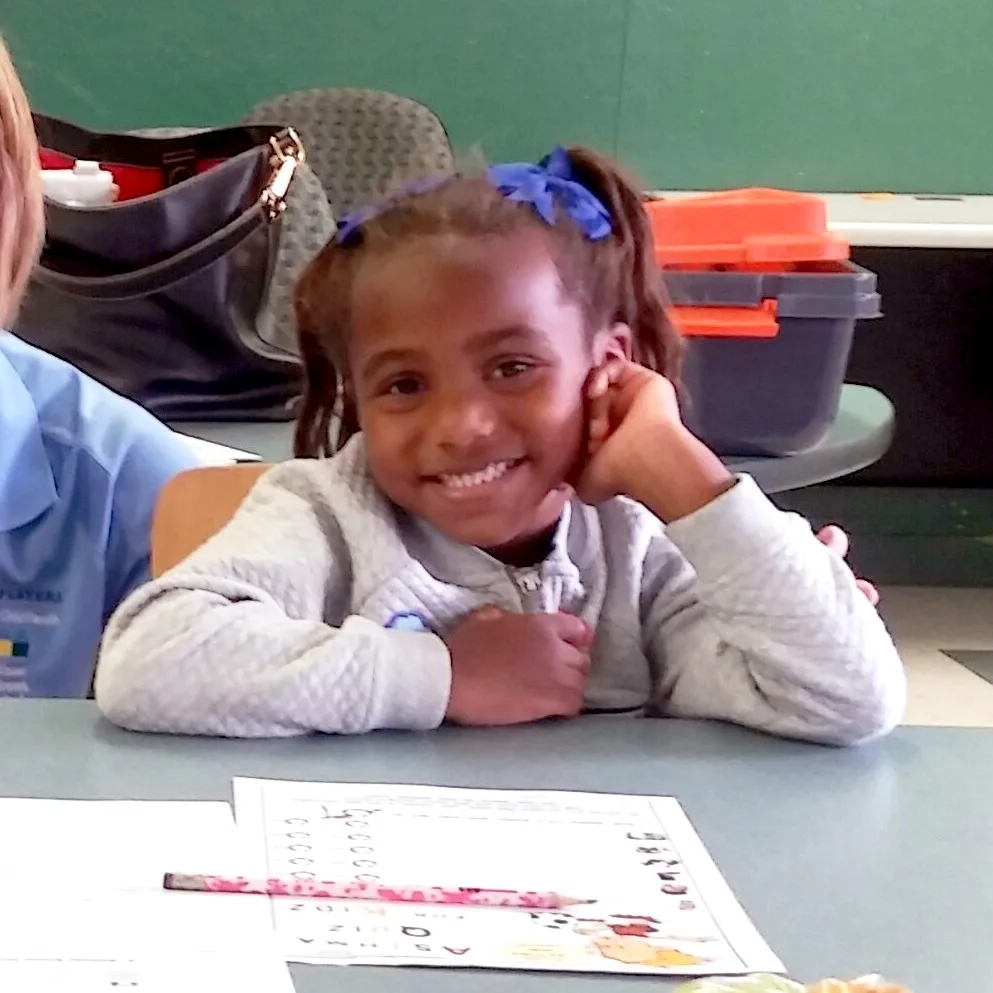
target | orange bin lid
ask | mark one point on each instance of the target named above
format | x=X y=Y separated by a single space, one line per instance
x=751 y=226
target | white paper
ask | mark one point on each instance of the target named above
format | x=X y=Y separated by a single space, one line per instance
x=601 y=847
x=210 y=453
x=82 y=906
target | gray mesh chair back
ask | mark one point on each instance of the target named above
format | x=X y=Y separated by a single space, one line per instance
x=361 y=144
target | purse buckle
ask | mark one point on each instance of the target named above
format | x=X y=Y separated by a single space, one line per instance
x=287 y=153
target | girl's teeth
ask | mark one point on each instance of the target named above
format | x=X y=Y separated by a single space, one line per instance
x=493 y=471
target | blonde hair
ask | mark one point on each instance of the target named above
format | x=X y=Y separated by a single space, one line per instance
x=22 y=218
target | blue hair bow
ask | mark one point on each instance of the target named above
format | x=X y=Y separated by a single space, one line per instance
x=351 y=224
x=547 y=186
x=551 y=184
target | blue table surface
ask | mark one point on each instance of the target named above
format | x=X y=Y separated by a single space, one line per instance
x=848 y=861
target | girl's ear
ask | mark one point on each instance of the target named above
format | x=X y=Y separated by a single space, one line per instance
x=613 y=344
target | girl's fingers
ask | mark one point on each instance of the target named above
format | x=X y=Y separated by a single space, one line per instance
x=870 y=591
x=835 y=539
x=599 y=425
x=488 y=613
x=597 y=384
x=598 y=397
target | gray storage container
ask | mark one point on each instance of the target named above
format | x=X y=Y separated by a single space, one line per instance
x=769 y=383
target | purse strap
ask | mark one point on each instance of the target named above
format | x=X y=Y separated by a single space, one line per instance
x=286 y=154
x=148 y=151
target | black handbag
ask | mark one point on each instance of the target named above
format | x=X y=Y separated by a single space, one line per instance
x=179 y=295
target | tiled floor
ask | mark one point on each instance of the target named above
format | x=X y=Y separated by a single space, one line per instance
x=928 y=622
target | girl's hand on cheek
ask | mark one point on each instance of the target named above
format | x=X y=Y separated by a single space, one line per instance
x=628 y=407
x=639 y=446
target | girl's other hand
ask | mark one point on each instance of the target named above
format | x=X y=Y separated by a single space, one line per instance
x=836 y=540
x=516 y=668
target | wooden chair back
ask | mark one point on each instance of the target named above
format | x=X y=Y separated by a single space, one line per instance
x=194 y=506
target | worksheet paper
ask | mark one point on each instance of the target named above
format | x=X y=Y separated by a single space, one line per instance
x=82 y=907
x=661 y=906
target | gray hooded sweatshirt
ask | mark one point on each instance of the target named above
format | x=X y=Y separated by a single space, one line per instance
x=323 y=607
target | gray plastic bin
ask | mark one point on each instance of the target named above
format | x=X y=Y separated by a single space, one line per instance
x=778 y=395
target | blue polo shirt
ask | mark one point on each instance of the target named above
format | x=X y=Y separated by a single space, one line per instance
x=80 y=471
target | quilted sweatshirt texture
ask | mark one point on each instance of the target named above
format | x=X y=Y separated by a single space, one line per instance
x=322 y=607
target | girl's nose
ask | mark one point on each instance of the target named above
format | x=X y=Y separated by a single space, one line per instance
x=462 y=421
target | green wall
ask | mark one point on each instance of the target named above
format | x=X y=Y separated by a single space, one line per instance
x=816 y=94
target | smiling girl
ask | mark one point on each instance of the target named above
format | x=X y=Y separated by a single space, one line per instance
x=512 y=522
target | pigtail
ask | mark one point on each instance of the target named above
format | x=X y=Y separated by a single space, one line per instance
x=321 y=302
x=642 y=301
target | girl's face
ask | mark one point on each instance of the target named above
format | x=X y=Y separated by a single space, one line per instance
x=468 y=369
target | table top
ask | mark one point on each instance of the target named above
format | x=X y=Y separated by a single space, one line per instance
x=884 y=220
x=848 y=861
x=859 y=437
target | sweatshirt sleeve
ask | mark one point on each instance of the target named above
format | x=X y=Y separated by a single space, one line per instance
x=233 y=641
x=750 y=619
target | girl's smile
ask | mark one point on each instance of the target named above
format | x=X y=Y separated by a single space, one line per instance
x=472 y=484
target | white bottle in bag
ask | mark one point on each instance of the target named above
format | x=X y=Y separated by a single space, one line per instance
x=84 y=185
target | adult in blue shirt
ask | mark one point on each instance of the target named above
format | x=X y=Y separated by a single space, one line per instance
x=80 y=472
x=80 y=466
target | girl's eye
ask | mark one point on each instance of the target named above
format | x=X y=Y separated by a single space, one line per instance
x=511 y=368
x=404 y=386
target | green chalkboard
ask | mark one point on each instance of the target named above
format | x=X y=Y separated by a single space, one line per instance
x=510 y=75
x=817 y=94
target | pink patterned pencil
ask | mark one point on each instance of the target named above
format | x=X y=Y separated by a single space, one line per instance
x=325 y=890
